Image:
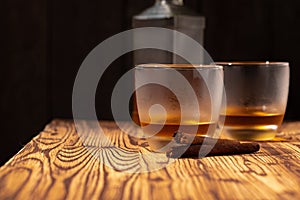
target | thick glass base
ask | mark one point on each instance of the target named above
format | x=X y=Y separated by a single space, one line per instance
x=250 y=133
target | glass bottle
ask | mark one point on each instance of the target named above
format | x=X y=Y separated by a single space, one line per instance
x=172 y=14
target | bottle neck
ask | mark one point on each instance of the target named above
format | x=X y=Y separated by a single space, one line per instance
x=175 y=2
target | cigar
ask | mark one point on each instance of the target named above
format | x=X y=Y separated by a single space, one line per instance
x=208 y=146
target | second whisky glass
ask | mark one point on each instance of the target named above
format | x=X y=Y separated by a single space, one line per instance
x=256 y=95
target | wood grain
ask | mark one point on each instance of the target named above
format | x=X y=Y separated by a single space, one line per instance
x=58 y=164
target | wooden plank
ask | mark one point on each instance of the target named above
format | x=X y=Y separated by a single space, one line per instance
x=57 y=165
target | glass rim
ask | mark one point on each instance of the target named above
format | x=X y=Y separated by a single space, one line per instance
x=178 y=66
x=251 y=63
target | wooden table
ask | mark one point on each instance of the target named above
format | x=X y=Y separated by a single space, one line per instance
x=58 y=164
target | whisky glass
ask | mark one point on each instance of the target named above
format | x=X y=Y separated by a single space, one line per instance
x=256 y=94
x=177 y=97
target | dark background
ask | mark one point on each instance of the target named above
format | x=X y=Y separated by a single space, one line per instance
x=43 y=43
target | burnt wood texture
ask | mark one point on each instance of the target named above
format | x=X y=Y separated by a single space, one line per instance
x=56 y=165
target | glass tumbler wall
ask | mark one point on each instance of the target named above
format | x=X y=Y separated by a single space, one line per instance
x=178 y=97
x=256 y=94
